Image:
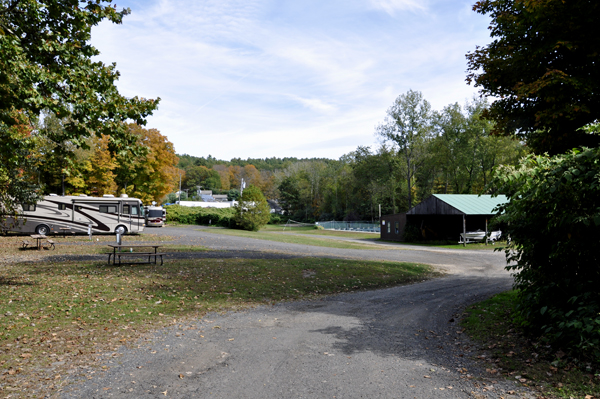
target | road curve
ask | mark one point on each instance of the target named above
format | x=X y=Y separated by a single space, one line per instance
x=400 y=342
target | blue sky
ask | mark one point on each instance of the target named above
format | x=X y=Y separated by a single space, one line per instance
x=264 y=78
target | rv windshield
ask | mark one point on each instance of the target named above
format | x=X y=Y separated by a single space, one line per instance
x=155 y=213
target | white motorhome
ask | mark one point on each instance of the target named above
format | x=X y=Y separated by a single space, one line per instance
x=155 y=215
x=55 y=214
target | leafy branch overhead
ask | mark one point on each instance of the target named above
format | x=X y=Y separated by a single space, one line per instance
x=542 y=67
x=46 y=64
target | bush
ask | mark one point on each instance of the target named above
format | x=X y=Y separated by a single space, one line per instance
x=276 y=219
x=553 y=221
x=196 y=215
x=253 y=211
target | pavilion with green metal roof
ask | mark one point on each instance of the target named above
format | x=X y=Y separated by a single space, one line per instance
x=458 y=204
x=443 y=217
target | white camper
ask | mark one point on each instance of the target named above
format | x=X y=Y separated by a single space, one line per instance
x=55 y=214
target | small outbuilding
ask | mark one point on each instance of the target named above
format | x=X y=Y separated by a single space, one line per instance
x=442 y=217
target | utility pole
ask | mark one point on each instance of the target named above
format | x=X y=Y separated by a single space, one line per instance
x=179 y=192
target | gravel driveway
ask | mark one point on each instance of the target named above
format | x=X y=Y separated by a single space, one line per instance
x=400 y=342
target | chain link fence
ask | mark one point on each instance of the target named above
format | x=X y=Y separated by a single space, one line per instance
x=351 y=226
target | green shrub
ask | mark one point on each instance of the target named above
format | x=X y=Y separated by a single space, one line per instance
x=276 y=219
x=553 y=221
x=253 y=211
x=204 y=216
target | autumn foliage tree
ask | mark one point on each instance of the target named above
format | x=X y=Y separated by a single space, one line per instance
x=151 y=175
x=543 y=66
x=46 y=64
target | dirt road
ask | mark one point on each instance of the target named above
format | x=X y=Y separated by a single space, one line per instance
x=401 y=342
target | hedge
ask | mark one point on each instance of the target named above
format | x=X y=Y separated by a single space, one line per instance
x=223 y=217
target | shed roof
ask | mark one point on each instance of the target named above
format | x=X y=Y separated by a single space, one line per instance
x=472 y=204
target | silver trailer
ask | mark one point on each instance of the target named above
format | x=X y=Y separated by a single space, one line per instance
x=79 y=214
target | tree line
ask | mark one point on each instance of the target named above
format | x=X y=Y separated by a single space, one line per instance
x=421 y=152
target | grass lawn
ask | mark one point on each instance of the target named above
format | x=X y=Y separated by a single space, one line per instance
x=530 y=363
x=296 y=238
x=64 y=315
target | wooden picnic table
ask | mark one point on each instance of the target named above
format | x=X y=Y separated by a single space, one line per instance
x=132 y=253
x=64 y=231
x=39 y=238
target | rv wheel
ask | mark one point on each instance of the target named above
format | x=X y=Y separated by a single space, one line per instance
x=42 y=229
x=121 y=230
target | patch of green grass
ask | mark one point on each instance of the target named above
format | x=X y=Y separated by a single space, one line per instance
x=339 y=233
x=497 y=245
x=65 y=314
x=291 y=238
x=183 y=248
x=537 y=365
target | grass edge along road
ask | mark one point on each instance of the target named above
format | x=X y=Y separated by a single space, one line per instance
x=59 y=318
x=296 y=238
x=513 y=356
x=326 y=238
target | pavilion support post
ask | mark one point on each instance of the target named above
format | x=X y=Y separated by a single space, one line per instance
x=486 y=232
x=464 y=231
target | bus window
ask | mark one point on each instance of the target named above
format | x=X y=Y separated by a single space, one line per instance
x=28 y=207
x=108 y=209
x=62 y=207
x=134 y=210
x=126 y=209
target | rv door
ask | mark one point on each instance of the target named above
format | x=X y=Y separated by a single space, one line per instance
x=131 y=216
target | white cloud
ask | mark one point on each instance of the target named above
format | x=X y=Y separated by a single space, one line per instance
x=393 y=6
x=263 y=78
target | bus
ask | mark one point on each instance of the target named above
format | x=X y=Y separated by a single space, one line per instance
x=79 y=214
x=155 y=216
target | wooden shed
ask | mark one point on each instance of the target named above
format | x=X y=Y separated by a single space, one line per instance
x=392 y=227
x=443 y=217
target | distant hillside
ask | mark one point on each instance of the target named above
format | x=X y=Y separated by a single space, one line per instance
x=270 y=164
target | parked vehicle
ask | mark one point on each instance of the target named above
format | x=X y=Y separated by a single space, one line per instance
x=156 y=216
x=479 y=236
x=78 y=214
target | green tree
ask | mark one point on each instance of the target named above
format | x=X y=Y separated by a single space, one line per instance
x=464 y=153
x=46 y=64
x=252 y=211
x=408 y=125
x=543 y=68
x=553 y=219
x=289 y=195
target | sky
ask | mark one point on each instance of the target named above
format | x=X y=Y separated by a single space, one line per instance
x=287 y=78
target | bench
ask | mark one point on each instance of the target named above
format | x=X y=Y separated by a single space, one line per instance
x=25 y=243
x=49 y=243
x=150 y=255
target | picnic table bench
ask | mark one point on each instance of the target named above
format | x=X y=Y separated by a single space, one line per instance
x=150 y=255
x=64 y=231
x=39 y=242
